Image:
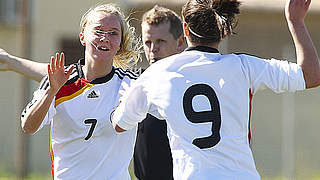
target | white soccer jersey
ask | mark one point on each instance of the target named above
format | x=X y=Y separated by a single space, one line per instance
x=205 y=97
x=83 y=143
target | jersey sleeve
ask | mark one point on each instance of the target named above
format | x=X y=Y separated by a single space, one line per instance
x=38 y=95
x=278 y=75
x=133 y=107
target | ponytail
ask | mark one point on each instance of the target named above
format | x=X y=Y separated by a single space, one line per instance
x=209 y=21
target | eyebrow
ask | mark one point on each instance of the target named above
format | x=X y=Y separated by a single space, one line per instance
x=101 y=27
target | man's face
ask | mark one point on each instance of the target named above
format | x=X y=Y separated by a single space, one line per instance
x=158 y=42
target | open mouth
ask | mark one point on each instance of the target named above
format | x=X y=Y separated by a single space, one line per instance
x=103 y=49
x=100 y=48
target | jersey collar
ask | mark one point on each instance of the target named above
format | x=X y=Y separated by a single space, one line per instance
x=203 y=49
x=100 y=80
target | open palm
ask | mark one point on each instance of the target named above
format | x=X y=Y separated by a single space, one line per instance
x=4 y=60
x=296 y=9
x=56 y=72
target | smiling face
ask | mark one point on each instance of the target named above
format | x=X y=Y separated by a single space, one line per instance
x=158 y=42
x=101 y=36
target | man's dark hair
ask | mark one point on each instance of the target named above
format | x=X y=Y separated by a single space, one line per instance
x=158 y=15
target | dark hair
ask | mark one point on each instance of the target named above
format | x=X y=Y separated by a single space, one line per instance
x=158 y=15
x=209 y=21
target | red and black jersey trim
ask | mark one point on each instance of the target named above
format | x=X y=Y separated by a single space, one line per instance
x=104 y=79
x=70 y=91
x=77 y=84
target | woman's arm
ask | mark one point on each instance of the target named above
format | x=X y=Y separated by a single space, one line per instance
x=28 y=68
x=307 y=56
x=37 y=112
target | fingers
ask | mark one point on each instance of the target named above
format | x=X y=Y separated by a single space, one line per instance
x=296 y=10
x=52 y=64
x=57 y=65
x=70 y=70
x=61 y=65
x=300 y=3
x=49 y=71
x=57 y=62
x=307 y=3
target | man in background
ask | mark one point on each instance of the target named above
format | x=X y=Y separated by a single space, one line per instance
x=162 y=36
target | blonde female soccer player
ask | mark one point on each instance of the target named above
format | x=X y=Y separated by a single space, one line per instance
x=79 y=100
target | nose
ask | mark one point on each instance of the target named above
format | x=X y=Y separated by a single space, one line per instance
x=154 y=47
x=104 y=38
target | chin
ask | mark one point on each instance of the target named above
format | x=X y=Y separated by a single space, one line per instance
x=154 y=60
x=100 y=57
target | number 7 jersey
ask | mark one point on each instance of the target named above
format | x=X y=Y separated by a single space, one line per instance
x=83 y=143
x=205 y=97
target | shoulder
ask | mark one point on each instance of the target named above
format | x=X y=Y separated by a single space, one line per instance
x=75 y=74
x=44 y=84
x=247 y=56
x=165 y=64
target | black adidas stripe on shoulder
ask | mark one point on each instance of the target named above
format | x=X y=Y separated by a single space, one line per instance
x=44 y=84
x=121 y=73
x=74 y=74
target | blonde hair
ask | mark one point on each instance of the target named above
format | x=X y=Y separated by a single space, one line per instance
x=130 y=47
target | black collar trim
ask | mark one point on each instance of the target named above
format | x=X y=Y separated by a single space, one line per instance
x=100 y=80
x=79 y=64
x=203 y=49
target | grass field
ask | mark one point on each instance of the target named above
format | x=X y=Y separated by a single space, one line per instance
x=10 y=176
x=48 y=177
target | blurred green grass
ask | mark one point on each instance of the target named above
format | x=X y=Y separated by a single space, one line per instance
x=5 y=176
x=34 y=176
x=30 y=177
x=48 y=177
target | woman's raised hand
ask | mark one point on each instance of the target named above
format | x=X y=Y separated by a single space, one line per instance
x=56 y=72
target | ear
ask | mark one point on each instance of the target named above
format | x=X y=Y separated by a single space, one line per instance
x=185 y=29
x=81 y=37
x=181 y=43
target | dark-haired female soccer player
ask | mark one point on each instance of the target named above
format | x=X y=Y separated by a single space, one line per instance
x=205 y=96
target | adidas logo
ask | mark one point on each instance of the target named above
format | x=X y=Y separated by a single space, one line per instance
x=93 y=94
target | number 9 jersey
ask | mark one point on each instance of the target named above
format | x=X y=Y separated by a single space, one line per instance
x=205 y=97
x=83 y=143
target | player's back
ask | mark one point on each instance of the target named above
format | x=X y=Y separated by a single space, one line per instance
x=205 y=98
